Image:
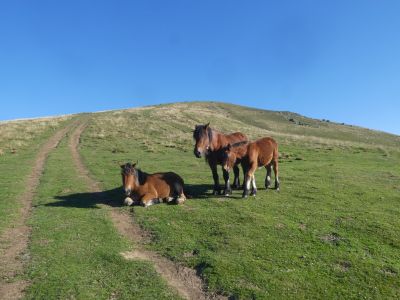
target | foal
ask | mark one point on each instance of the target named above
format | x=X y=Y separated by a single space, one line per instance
x=261 y=153
x=210 y=143
x=147 y=189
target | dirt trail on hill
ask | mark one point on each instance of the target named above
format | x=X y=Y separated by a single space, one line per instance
x=184 y=280
x=14 y=240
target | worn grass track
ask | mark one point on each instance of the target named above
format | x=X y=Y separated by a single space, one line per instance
x=14 y=240
x=20 y=142
x=75 y=249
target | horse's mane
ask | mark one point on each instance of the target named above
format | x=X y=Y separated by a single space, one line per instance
x=141 y=176
x=238 y=144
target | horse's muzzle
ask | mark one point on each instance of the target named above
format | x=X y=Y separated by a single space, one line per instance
x=127 y=192
x=197 y=153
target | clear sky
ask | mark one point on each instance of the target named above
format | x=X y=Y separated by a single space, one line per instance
x=337 y=60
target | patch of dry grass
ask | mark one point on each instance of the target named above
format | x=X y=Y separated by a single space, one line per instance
x=172 y=124
x=15 y=135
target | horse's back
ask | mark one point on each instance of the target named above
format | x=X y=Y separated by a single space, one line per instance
x=168 y=176
x=167 y=183
x=265 y=149
x=235 y=137
x=266 y=142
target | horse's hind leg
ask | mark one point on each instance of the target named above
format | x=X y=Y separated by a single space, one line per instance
x=236 y=183
x=246 y=188
x=276 y=171
x=244 y=169
x=180 y=199
x=268 y=177
x=227 y=190
x=254 y=188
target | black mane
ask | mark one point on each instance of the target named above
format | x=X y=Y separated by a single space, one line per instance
x=239 y=143
x=141 y=176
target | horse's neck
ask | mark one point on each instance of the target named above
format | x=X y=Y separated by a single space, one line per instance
x=240 y=151
x=217 y=141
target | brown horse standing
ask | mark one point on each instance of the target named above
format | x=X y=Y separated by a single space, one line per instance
x=261 y=153
x=211 y=143
x=147 y=189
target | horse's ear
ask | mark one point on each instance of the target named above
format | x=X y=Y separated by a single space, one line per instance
x=122 y=166
x=206 y=126
x=134 y=165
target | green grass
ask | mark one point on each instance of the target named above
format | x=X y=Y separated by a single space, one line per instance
x=331 y=232
x=19 y=143
x=75 y=249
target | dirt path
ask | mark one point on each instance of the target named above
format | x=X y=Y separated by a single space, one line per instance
x=14 y=241
x=184 y=280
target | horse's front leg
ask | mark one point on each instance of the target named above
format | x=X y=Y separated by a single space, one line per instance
x=247 y=182
x=250 y=180
x=149 y=199
x=227 y=190
x=244 y=169
x=217 y=188
x=236 y=183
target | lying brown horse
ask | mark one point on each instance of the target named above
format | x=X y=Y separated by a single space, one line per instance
x=211 y=143
x=261 y=153
x=147 y=189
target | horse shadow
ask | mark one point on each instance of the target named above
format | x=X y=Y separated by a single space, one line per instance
x=205 y=191
x=113 y=197
x=198 y=191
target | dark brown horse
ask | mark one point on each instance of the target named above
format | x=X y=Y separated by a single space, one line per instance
x=147 y=189
x=210 y=142
x=261 y=153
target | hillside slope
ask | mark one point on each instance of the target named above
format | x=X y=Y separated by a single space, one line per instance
x=334 y=221
x=331 y=232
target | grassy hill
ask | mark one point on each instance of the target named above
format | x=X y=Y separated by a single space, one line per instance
x=332 y=231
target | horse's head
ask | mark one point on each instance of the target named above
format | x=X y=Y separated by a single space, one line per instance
x=202 y=134
x=229 y=158
x=129 y=177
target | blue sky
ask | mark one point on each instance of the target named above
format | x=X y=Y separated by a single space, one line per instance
x=336 y=60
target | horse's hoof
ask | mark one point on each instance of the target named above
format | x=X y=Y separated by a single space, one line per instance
x=216 y=193
x=128 y=201
x=227 y=192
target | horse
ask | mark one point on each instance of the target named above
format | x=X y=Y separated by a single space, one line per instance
x=210 y=143
x=260 y=153
x=148 y=189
